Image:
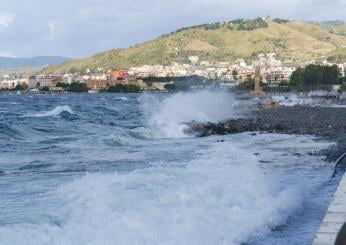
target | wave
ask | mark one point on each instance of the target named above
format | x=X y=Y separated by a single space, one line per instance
x=123 y=98
x=292 y=100
x=8 y=131
x=53 y=113
x=10 y=103
x=168 y=116
x=221 y=197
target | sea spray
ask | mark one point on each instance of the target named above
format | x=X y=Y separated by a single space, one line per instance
x=292 y=100
x=168 y=116
x=221 y=197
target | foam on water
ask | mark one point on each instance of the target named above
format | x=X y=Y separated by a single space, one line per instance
x=152 y=190
x=123 y=98
x=52 y=113
x=168 y=116
x=221 y=197
x=299 y=100
x=292 y=100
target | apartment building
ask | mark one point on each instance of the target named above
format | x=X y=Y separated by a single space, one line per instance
x=44 y=81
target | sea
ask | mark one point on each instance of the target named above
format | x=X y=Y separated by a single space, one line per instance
x=124 y=169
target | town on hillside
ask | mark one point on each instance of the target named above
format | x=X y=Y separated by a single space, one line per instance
x=274 y=73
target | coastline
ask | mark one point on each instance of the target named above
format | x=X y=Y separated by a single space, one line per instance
x=323 y=122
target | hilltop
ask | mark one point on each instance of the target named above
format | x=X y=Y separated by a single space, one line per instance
x=225 y=41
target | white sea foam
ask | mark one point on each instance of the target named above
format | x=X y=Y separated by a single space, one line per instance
x=55 y=112
x=296 y=100
x=168 y=117
x=221 y=197
x=292 y=100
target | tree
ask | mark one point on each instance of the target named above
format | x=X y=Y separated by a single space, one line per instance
x=19 y=87
x=124 y=88
x=315 y=75
x=78 y=87
x=331 y=75
x=62 y=85
x=235 y=74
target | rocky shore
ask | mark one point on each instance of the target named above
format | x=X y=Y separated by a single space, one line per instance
x=327 y=123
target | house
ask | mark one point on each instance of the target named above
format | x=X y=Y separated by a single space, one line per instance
x=118 y=75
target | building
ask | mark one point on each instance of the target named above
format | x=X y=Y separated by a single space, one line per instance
x=277 y=75
x=8 y=84
x=94 y=84
x=118 y=75
x=44 y=81
x=193 y=59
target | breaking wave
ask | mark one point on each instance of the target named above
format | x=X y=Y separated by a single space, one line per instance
x=169 y=116
x=292 y=100
x=221 y=197
x=52 y=113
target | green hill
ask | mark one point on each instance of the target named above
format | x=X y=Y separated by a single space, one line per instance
x=224 y=41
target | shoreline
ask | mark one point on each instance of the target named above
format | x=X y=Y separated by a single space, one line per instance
x=323 y=122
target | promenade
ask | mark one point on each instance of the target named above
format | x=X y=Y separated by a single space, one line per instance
x=335 y=217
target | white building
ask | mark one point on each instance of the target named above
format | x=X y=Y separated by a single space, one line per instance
x=278 y=74
x=193 y=59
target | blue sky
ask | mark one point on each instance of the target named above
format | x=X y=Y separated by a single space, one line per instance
x=77 y=28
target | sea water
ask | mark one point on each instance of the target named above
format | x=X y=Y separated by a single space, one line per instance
x=121 y=169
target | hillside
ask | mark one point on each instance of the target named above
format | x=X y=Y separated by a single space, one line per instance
x=9 y=62
x=222 y=42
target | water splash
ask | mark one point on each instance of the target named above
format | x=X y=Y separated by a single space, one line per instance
x=52 y=113
x=292 y=100
x=209 y=200
x=168 y=116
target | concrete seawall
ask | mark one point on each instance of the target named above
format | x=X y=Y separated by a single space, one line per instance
x=335 y=217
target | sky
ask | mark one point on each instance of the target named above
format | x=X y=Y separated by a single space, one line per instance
x=79 y=28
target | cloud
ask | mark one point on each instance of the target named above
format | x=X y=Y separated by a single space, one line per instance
x=5 y=20
x=52 y=28
x=90 y=26
x=7 y=54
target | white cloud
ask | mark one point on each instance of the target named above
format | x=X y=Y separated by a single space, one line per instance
x=52 y=28
x=6 y=19
x=107 y=24
x=7 y=54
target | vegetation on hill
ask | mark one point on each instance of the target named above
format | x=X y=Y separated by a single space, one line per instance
x=238 y=25
x=123 y=88
x=280 y=21
x=224 y=41
x=74 y=87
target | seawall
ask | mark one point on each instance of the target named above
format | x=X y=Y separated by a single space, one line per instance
x=334 y=218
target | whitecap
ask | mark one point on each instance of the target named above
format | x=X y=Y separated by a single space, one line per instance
x=54 y=112
x=221 y=197
x=122 y=98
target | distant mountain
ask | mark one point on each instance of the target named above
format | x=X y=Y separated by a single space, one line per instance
x=39 y=61
x=329 y=25
x=226 y=41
